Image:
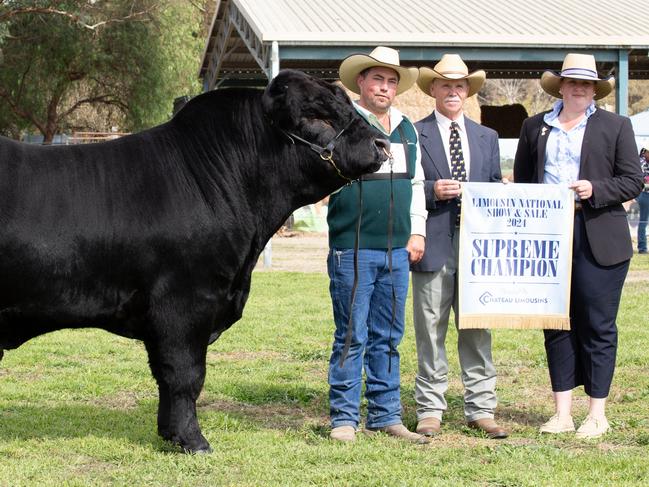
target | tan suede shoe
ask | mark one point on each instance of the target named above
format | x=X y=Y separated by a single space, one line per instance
x=343 y=433
x=593 y=428
x=558 y=424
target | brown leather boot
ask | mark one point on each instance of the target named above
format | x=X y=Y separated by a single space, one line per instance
x=429 y=427
x=399 y=431
x=489 y=427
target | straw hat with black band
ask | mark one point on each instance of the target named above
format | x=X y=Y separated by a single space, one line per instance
x=384 y=57
x=577 y=66
x=450 y=67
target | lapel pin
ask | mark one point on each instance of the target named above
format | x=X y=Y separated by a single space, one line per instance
x=543 y=131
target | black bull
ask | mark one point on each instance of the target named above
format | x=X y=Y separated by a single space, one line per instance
x=154 y=236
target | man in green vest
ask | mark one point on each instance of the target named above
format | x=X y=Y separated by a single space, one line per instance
x=393 y=225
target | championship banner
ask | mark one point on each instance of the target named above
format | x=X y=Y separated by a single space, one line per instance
x=515 y=256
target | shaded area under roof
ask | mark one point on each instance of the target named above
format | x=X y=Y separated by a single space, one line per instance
x=248 y=39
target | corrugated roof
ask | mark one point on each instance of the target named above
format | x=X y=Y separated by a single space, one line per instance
x=506 y=38
x=498 y=23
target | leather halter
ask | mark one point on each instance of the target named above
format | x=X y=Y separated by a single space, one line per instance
x=326 y=152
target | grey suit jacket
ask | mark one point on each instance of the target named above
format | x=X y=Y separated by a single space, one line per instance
x=484 y=167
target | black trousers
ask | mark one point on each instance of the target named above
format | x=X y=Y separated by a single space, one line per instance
x=585 y=355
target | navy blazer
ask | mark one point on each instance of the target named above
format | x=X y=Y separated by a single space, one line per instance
x=609 y=160
x=484 y=167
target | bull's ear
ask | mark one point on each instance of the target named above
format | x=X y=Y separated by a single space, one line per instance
x=281 y=102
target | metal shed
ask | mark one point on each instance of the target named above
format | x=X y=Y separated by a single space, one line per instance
x=250 y=40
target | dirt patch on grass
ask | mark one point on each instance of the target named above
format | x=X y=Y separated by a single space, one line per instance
x=123 y=400
x=637 y=276
x=241 y=355
x=307 y=252
x=267 y=416
x=297 y=252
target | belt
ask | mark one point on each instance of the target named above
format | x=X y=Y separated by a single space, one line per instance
x=578 y=206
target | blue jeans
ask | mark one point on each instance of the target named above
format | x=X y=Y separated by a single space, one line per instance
x=643 y=202
x=371 y=338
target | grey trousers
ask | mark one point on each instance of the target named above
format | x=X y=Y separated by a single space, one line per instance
x=434 y=293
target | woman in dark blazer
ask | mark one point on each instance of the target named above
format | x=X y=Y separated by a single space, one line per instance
x=593 y=152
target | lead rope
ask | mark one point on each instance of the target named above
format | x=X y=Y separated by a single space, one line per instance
x=392 y=349
x=350 y=321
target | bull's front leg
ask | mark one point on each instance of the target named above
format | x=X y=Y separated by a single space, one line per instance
x=164 y=411
x=178 y=365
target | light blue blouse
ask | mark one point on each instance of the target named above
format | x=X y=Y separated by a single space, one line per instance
x=563 y=150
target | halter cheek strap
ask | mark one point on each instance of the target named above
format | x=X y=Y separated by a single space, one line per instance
x=326 y=152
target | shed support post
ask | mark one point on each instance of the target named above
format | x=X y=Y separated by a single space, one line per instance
x=274 y=69
x=622 y=83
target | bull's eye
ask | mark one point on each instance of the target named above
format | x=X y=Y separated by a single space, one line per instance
x=319 y=128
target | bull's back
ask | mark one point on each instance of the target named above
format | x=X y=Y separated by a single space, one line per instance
x=65 y=188
x=63 y=243
x=93 y=234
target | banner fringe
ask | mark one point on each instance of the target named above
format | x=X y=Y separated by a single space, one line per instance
x=544 y=322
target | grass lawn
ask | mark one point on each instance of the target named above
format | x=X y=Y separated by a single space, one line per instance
x=79 y=408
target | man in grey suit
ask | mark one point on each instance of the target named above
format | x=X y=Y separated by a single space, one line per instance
x=454 y=149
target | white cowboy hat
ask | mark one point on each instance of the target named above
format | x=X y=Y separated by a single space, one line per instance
x=577 y=66
x=381 y=56
x=451 y=67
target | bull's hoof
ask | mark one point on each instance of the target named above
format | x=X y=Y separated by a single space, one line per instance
x=198 y=446
x=201 y=451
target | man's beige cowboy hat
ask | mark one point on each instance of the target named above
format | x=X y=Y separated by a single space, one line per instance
x=450 y=67
x=381 y=56
x=577 y=66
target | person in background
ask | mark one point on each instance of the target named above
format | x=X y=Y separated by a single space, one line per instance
x=643 y=200
x=593 y=152
x=454 y=149
x=391 y=234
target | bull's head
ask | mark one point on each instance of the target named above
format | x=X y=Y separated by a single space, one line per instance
x=321 y=116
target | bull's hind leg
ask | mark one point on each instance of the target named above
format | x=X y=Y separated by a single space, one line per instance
x=178 y=366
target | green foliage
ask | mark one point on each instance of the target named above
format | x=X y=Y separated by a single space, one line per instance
x=78 y=408
x=134 y=56
x=638 y=96
x=166 y=63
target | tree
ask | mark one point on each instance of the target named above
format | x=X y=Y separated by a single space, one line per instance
x=129 y=58
x=527 y=92
x=638 y=96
